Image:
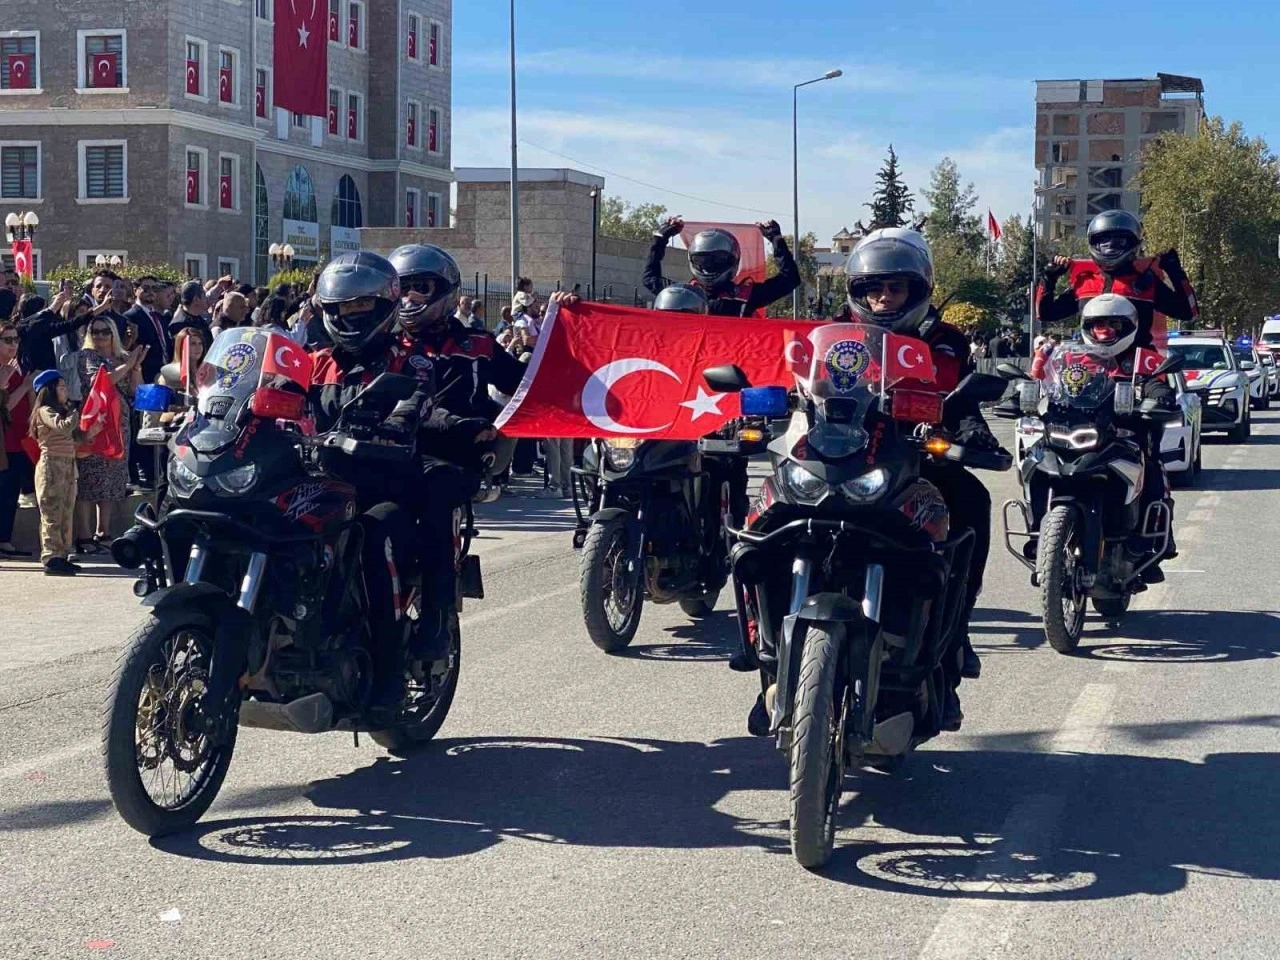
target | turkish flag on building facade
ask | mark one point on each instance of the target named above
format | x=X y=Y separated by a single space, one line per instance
x=302 y=57
x=102 y=405
x=193 y=77
x=353 y=28
x=432 y=134
x=260 y=101
x=335 y=31
x=413 y=44
x=333 y=120
x=433 y=45
x=21 y=68
x=993 y=226
x=601 y=370
x=22 y=258
x=102 y=70
x=193 y=186
x=1146 y=362
x=353 y=124
x=224 y=192
x=411 y=132
x=224 y=84
x=906 y=358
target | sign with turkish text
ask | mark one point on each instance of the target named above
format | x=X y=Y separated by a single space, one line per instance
x=344 y=240
x=304 y=237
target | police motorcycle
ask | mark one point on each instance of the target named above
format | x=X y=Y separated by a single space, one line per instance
x=852 y=569
x=651 y=516
x=259 y=609
x=1083 y=472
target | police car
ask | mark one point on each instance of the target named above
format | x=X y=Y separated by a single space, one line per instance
x=1180 y=444
x=1270 y=368
x=1213 y=373
x=1259 y=380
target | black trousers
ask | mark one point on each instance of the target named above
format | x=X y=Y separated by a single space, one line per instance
x=13 y=481
x=970 y=506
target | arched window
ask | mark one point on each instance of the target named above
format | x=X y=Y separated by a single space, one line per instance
x=300 y=197
x=347 y=210
x=261 y=227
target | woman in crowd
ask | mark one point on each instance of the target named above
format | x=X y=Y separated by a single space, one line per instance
x=104 y=482
x=16 y=470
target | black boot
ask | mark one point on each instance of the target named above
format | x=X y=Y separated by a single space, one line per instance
x=952 y=715
x=433 y=637
x=971 y=665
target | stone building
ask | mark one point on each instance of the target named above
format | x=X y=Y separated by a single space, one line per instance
x=149 y=131
x=1089 y=140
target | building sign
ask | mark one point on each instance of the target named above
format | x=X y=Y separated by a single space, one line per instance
x=304 y=237
x=343 y=240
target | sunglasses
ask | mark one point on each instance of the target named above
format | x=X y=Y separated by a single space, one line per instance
x=892 y=287
x=9 y=339
x=418 y=286
x=99 y=332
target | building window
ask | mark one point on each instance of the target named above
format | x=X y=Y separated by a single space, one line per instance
x=197 y=58
x=20 y=62
x=413 y=31
x=355 y=25
x=261 y=92
x=354 y=119
x=103 y=60
x=261 y=226
x=300 y=197
x=89 y=258
x=104 y=170
x=262 y=9
x=1102 y=202
x=335 y=112
x=347 y=210
x=228 y=267
x=1062 y=151
x=299 y=121
x=335 y=21
x=197 y=264
x=433 y=44
x=433 y=130
x=1163 y=122
x=195 y=176
x=412 y=207
x=20 y=171
x=433 y=209
x=228 y=182
x=227 y=76
x=1106 y=178
x=411 y=124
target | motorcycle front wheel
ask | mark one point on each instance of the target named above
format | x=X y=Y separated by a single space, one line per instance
x=1062 y=600
x=427 y=700
x=817 y=748
x=612 y=596
x=162 y=771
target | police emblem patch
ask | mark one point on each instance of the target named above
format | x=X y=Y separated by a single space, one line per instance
x=1074 y=378
x=846 y=362
x=240 y=359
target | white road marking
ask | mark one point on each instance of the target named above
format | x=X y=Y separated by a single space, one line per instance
x=982 y=928
x=1187 y=535
x=1209 y=500
x=1197 y=516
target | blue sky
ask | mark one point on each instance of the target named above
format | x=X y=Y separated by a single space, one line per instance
x=698 y=100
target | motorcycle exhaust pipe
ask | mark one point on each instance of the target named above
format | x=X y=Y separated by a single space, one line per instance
x=135 y=546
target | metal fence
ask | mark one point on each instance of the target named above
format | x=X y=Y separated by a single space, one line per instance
x=496 y=293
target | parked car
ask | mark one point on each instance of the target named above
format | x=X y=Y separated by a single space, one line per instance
x=1213 y=373
x=1180 y=445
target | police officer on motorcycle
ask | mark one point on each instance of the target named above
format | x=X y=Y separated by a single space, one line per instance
x=714 y=257
x=359 y=298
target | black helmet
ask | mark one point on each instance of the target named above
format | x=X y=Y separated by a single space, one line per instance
x=1114 y=238
x=682 y=298
x=894 y=253
x=347 y=279
x=433 y=273
x=713 y=258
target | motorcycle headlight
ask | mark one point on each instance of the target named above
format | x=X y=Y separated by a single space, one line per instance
x=621 y=453
x=1086 y=438
x=867 y=487
x=182 y=479
x=800 y=484
x=237 y=481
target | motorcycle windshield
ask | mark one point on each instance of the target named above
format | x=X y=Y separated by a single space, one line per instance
x=843 y=379
x=1080 y=378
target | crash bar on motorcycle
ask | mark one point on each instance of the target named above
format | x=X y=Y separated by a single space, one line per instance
x=208 y=516
x=839 y=526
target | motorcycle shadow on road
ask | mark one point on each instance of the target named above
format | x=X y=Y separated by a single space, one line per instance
x=460 y=797
x=706 y=640
x=1220 y=479
x=1190 y=636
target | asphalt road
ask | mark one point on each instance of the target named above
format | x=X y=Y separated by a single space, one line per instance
x=1119 y=803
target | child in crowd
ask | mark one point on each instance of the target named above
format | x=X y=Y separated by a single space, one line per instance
x=55 y=428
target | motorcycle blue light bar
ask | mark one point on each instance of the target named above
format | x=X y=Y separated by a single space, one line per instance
x=153 y=398
x=764 y=401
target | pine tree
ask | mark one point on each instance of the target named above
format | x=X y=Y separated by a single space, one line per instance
x=892 y=200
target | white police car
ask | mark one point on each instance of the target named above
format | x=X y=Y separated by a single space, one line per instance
x=1259 y=380
x=1180 y=444
x=1213 y=373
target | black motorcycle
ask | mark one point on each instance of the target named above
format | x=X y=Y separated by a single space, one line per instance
x=1082 y=476
x=651 y=518
x=855 y=578
x=254 y=575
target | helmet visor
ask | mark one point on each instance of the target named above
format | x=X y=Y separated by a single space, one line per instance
x=1114 y=243
x=713 y=263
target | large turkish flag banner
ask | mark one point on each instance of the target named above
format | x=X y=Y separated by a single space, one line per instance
x=302 y=57
x=601 y=370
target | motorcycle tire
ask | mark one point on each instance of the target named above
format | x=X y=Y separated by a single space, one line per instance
x=605 y=547
x=404 y=738
x=1062 y=627
x=1110 y=609
x=1241 y=431
x=120 y=722
x=817 y=761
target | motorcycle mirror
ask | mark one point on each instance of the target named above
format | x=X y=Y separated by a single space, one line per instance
x=1172 y=364
x=982 y=387
x=726 y=379
x=1028 y=395
x=1011 y=371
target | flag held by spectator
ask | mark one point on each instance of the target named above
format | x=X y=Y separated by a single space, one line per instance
x=993 y=227
x=299 y=42
x=21 y=68
x=102 y=406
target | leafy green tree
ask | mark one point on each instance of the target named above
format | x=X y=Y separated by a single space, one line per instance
x=951 y=209
x=808 y=265
x=625 y=221
x=892 y=201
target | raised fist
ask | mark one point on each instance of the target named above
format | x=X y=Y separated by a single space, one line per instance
x=770 y=229
x=669 y=228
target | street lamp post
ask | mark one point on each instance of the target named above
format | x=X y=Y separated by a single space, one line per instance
x=595 y=233
x=515 y=166
x=795 y=177
x=281 y=255
x=1036 y=206
x=21 y=226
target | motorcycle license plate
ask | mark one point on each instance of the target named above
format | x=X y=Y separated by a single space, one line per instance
x=917 y=406
x=719 y=446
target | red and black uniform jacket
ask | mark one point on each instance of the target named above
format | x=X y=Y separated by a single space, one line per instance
x=1141 y=283
x=466 y=363
x=732 y=299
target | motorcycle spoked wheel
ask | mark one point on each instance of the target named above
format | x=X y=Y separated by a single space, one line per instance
x=612 y=598
x=1062 y=600
x=818 y=747
x=162 y=772
x=427 y=700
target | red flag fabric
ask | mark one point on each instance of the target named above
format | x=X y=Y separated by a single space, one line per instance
x=21 y=69
x=224 y=192
x=431 y=134
x=993 y=226
x=102 y=405
x=601 y=370
x=260 y=101
x=752 y=267
x=411 y=132
x=284 y=358
x=224 y=85
x=1145 y=362
x=335 y=31
x=102 y=70
x=353 y=124
x=333 y=120
x=193 y=187
x=193 y=77
x=906 y=358
x=184 y=362
x=413 y=44
x=299 y=43
x=353 y=28
x=22 y=258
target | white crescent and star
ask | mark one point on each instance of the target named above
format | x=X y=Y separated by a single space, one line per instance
x=191 y=75
x=284 y=358
x=595 y=395
x=790 y=352
x=909 y=357
x=104 y=67
x=704 y=404
x=19 y=67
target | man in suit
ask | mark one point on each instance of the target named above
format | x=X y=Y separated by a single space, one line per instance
x=146 y=316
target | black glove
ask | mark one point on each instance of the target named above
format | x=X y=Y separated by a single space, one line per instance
x=1053 y=271
x=772 y=232
x=977 y=436
x=1169 y=261
x=404 y=417
x=669 y=228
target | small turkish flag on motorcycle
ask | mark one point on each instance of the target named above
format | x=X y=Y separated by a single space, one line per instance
x=906 y=358
x=1146 y=362
x=284 y=358
x=601 y=370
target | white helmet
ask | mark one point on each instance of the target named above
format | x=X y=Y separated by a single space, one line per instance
x=1109 y=324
